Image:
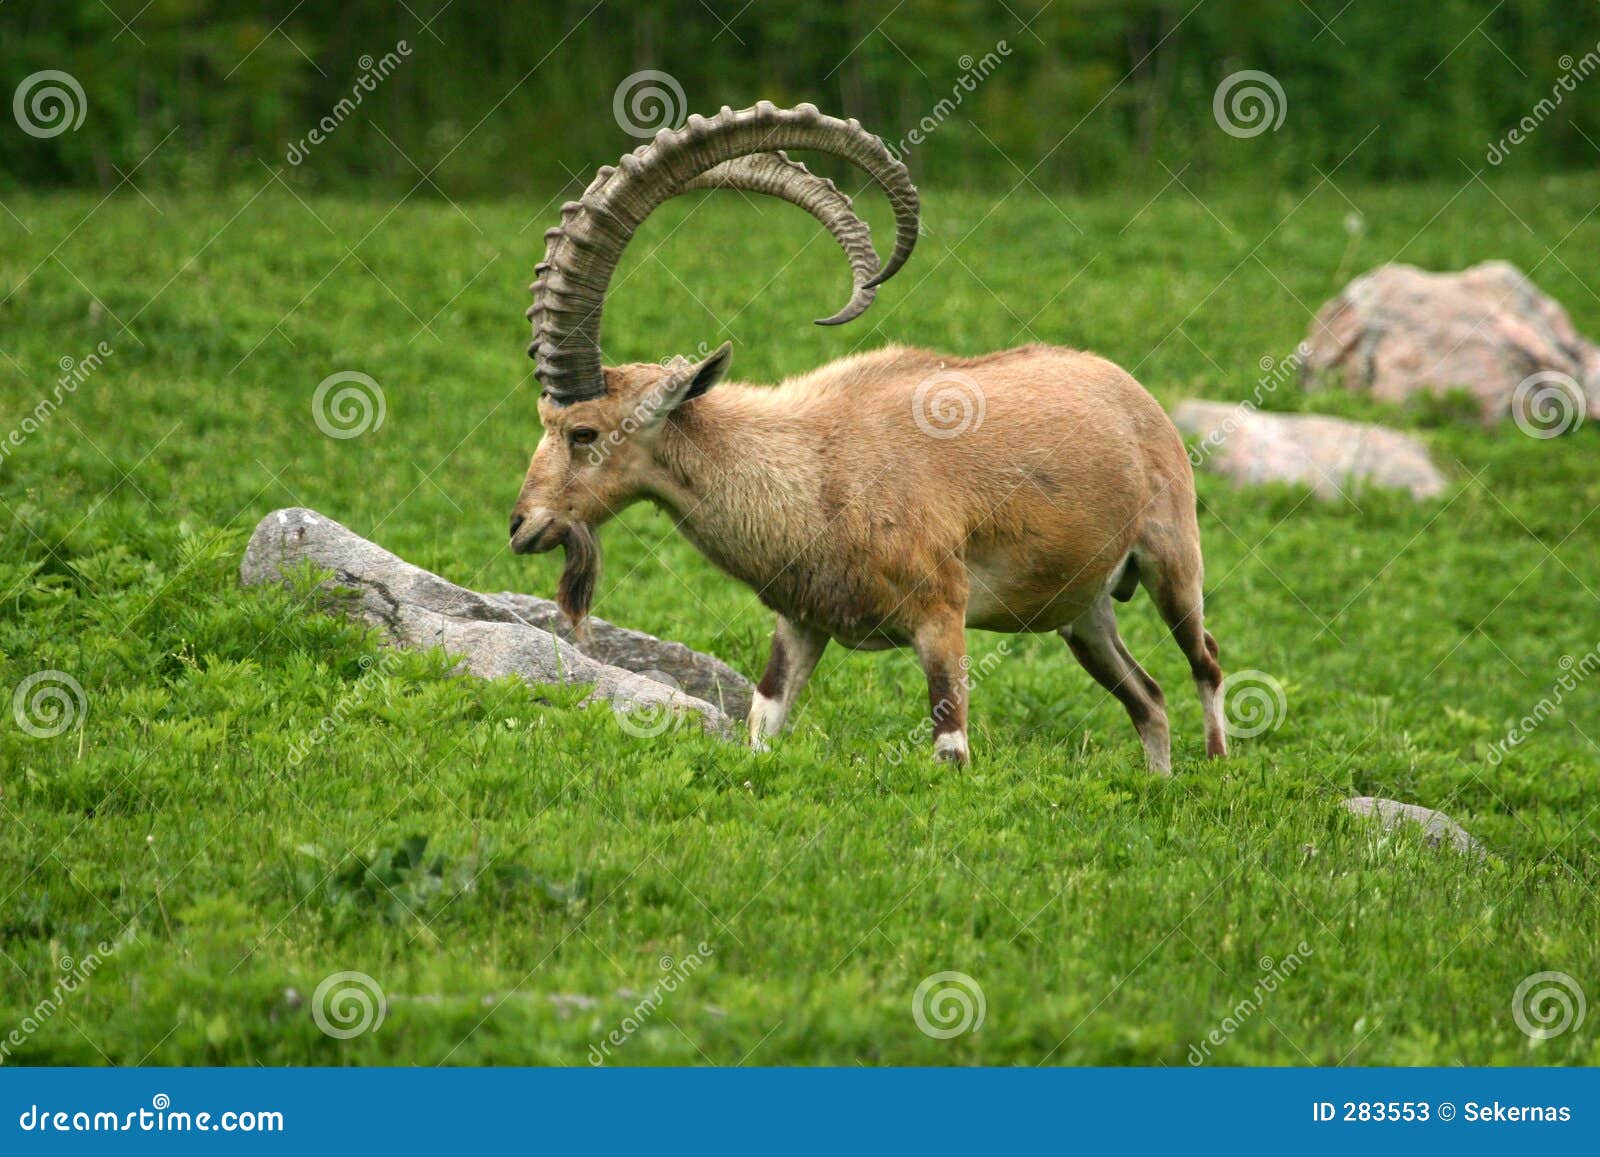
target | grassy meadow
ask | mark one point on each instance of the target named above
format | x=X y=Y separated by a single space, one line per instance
x=166 y=834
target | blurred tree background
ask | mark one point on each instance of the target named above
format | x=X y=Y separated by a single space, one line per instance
x=494 y=98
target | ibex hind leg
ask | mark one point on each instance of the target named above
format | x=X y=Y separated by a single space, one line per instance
x=1173 y=578
x=1099 y=648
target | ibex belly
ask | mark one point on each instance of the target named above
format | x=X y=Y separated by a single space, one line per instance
x=999 y=602
x=1042 y=584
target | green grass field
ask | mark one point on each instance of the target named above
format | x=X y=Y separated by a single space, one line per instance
x=1108 y=917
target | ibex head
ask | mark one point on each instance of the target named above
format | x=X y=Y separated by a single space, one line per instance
x=601 y=424
x=595 y=459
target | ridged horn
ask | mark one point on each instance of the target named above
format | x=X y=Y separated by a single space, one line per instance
x=583 y=251
x=775 y=175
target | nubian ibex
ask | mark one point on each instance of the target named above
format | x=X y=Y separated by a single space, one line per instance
x=890 y=499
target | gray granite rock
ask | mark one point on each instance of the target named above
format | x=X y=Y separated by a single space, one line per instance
x=1437 y=828
x=1400 y=330
x=697 y=674
x=1330 y=455
x=499 y=635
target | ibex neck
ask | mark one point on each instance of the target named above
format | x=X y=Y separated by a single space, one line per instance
x=741 y=475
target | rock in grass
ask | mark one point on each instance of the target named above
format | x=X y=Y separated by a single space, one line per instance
x=1399 y=331
x=1437 y=828
x=694 y=673
x=497 y=635
x=1330 y=455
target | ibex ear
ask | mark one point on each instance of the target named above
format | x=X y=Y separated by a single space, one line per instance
x=688 y=380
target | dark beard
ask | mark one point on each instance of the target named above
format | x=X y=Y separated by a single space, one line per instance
x=579 y=575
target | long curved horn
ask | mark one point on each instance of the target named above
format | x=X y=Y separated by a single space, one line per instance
x=582 y=252
x=775 y=175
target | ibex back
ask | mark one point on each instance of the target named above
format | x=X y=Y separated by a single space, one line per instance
x=890 y=499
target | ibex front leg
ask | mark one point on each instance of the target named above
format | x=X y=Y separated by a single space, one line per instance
x=941 y=646
x=795 y=651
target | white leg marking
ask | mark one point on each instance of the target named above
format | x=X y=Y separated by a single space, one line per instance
x=767 y=717
x=1211 y=710
x=1157 y=745
x=951 y=746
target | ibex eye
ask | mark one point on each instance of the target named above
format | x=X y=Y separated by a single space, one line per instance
x=582 y=436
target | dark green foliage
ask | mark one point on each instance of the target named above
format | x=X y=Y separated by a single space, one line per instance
x=496 y=98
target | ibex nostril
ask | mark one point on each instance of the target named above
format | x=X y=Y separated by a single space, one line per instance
x=516 y=524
